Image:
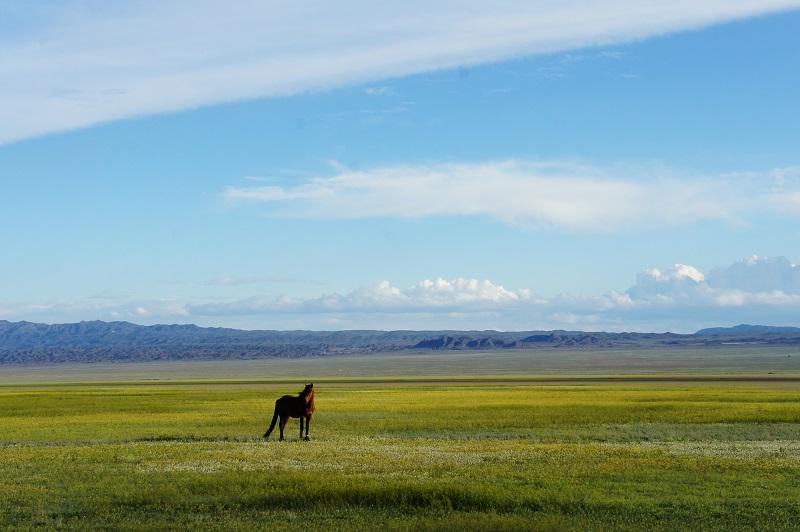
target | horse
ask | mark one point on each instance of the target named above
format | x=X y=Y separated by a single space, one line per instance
x=288 y=406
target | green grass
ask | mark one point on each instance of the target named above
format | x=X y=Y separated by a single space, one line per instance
x=405 y=455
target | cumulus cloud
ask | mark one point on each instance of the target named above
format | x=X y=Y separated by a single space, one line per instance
x=758 y=274
x=678 y=283
x=757 y=289
x=752 y=282
x=427 y=295
x=755 y=279
x=679 y=298
x=578 y=197
x=71 y=64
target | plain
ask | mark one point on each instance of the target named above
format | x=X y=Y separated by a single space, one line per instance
x=476 y=452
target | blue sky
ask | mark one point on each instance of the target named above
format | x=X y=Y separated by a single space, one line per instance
x=619 y=165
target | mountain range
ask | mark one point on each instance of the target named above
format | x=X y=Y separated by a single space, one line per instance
x=98 y=341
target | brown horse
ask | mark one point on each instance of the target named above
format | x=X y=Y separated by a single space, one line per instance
x=288 y=406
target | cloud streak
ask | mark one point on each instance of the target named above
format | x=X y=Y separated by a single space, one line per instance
x=79 y=63
x=227 y=280
x=534 y=194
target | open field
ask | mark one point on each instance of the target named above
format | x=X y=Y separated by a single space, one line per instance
x=764 y=361
x=472 y=455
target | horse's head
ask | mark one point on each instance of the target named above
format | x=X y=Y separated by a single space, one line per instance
x=308 y=390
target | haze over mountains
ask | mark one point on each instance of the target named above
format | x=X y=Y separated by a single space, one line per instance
x=98 y=341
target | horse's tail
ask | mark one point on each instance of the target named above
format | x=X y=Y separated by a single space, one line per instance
x=272 y=424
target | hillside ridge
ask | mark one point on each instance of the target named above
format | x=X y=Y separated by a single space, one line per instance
x=100 y=341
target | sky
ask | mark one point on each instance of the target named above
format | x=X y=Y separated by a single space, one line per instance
x=615 y=165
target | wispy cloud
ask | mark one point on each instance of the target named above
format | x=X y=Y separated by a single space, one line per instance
x=228 y=280
x=76 y=64
x=93 y=308
x=378 y=91
x=536 y=194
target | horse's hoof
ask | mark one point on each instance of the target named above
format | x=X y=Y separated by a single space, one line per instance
x=265 y=436
x=306 y=439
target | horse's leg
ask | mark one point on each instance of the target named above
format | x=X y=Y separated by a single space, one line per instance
x=308 y=424
x=301 y=427
x=282 y=425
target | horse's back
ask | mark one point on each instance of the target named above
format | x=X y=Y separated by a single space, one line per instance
x=290 y=405
x=286 y=400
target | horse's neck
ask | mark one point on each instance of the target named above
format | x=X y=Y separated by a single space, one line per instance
x=307 y=398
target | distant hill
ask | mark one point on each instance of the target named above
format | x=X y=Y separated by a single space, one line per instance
x=98 y=341
x=747 y=330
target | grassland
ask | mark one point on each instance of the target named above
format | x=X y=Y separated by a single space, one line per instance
x=481 y=454
x=507 y=364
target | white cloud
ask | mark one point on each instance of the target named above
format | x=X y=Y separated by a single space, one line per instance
x=120 y=307
x=378 y=91
x=678 y=298
x=758 y=274
x=679 y=272
x=567 y=195
x=679 y=283
x=80 y=63
x=752 y=282
x=437 y=294
x=228 y=280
